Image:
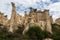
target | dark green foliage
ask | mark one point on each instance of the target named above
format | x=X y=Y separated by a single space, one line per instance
x=56 y=28
x=47 y=34
x=56 y=31
x=20 y=29
x=1 y=24
x=5 y=35
x=35 y=33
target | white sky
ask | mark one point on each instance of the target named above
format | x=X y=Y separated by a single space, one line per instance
x=53 y=6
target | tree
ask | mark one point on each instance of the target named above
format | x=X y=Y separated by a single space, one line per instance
x=35 y=33
x=56 y=31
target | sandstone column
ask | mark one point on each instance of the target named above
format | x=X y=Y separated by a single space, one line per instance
x=48 y=21
x=13 y=18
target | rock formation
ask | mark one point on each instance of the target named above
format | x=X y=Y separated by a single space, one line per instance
x=15 y=19
x=37 y=17
x=3 y=19
x=41 y=18
x=57 y=21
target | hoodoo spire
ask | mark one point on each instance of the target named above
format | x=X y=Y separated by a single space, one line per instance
x=13 y=5
x=13 y=8
x=13 y=17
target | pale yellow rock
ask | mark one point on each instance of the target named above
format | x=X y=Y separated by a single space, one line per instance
x=3 y=19
x=37 y=17
x=57 y=21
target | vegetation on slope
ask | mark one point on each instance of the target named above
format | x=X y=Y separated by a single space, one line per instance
x=34 y=33
x=56 y=31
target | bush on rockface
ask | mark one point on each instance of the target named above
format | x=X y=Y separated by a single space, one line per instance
x=3 y=33
x=35 y=33
x=17 y=35
x=56 y=31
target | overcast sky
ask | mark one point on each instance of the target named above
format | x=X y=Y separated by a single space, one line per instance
x=23 y=5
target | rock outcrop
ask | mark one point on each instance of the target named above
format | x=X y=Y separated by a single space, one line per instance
x=41 y=18
x=3 y=19
x=15 y=19
x=57 y=21
x=37 y=17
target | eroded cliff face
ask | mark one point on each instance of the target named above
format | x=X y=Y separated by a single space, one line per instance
x=3 y=19
x=15 y=19
x=40 y=18
x=57 y=21
x=37 y=17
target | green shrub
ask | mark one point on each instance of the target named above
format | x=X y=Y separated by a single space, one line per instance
x=35 y=33
x=56 y=31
